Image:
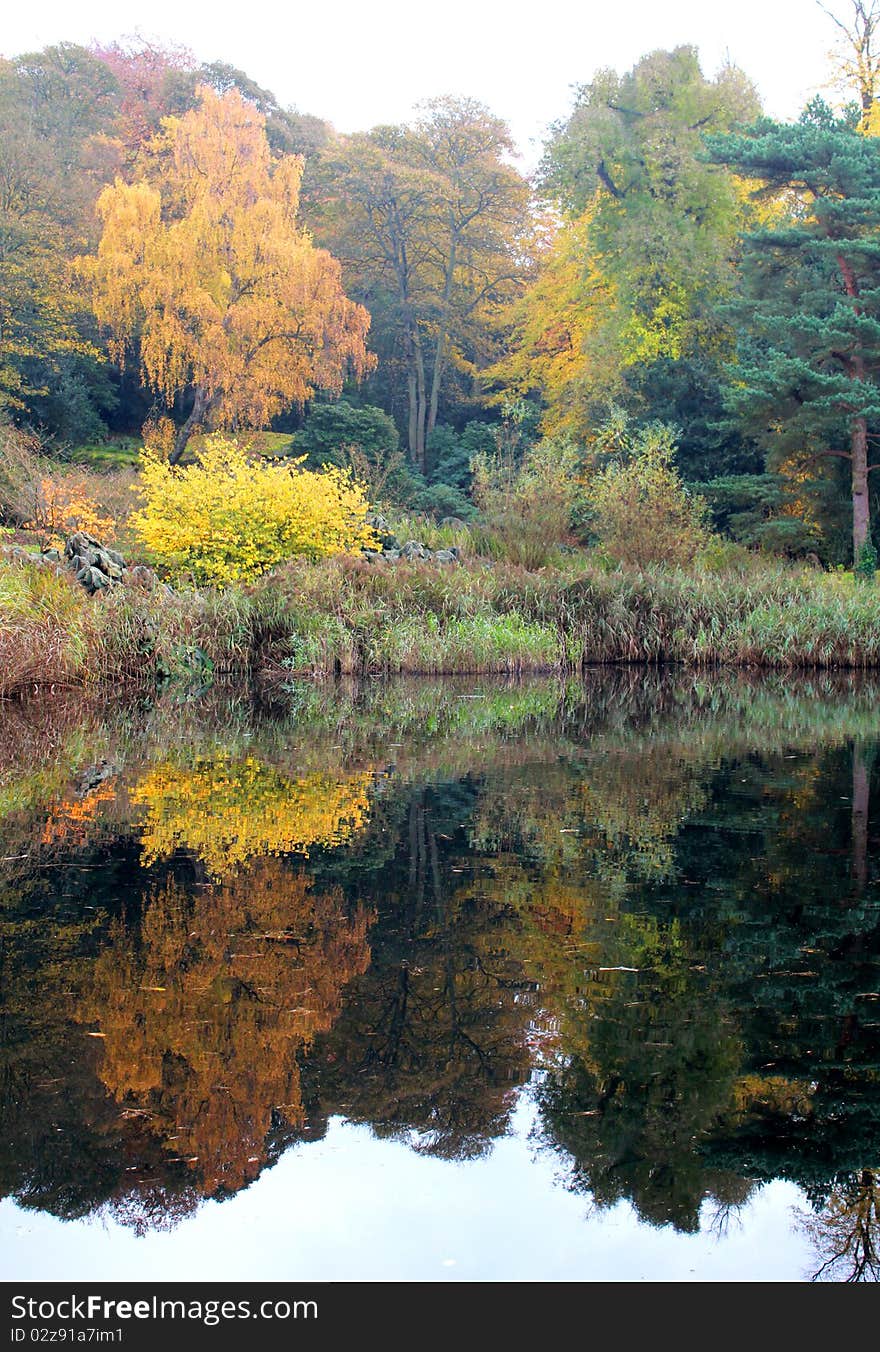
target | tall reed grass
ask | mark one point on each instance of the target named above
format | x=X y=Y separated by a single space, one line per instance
x=348 y=616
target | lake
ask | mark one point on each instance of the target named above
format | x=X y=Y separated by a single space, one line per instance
x=443 y=981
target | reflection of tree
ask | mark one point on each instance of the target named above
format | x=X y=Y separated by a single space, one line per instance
x=846 y=1232
x=614 y=812
x=228 y=811
x=204 y=1012
x=434 y=1037
x=655 y=1074
x=64 y=1147
x=520 y=855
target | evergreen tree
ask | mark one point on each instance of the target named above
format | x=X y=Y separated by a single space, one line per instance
x=806 y=382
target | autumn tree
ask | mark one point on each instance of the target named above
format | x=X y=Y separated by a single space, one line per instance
x=647 y=229
x=152 y=82
x=237 y=314
x=857 y=59
x=431 y=222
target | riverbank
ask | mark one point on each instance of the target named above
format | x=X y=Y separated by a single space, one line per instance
x=349 y=616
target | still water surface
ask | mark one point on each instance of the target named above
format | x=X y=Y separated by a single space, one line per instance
x=443 y=981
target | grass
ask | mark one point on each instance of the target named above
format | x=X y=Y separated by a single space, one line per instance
x=44 y=628
x=118 y=452
x=346 y=616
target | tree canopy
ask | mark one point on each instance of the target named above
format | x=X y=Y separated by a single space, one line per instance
x=204 y=263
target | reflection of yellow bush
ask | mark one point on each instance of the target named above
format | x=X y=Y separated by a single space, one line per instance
x=228 y=811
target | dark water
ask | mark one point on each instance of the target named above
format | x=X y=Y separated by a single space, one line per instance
x=443 y=981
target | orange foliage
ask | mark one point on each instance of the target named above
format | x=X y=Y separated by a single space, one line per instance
x=73 y=819
x=66 y=504
x=206 y=263
x=204 y=1015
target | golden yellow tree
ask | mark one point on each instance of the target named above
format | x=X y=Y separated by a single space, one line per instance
x=236 y=312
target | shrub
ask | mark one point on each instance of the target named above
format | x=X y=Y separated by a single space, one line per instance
x=527 y=508
x=641 y=511
x=22 y=466
x=228 y=516
x=66 y=503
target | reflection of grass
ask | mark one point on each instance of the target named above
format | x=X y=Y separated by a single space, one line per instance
x=425 y=728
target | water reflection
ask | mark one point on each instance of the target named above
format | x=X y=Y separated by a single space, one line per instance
x=652 y=901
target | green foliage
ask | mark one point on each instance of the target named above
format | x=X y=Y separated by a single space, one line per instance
x=688 y=393
x=330 y=427
x=866 y=563
x=807 y=376
x=442 y=500
x=659 y=222
x=768 y=511
x=640 y=509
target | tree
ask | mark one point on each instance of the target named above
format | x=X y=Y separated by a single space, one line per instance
x=431 y=222
x=806 y=381
x=648 y=231
x=204 y=263
x=858 y=57
x=53 y=106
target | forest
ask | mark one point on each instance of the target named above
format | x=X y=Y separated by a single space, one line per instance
x=235 y=343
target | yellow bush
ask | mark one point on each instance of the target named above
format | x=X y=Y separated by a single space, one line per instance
x=229 y=516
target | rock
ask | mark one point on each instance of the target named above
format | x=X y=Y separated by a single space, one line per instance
x=454 y=522
x=374 y=556
x=414 y=550
x=52 y=555
x=81 y=543
x=392 y=555
x=93 y=579
x=446 y=556
x=108 y=564
x=140 y=576
x=90 y=779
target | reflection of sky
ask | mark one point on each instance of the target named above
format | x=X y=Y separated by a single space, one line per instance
x=351 y=1207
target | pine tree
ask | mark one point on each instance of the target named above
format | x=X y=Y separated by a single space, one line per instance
x=808 y=376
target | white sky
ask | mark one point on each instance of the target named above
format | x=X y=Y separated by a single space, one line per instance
x=360 y=62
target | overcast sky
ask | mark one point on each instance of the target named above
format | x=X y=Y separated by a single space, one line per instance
x=360 y=62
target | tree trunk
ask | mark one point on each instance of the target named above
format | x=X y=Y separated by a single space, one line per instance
x=858 y=432
x=416 y=394
x=418 y=449
x=860 y=502
x=185 y=431
x=436 y=377
x=440 y=349
x=412 y=399
x=861 y=791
